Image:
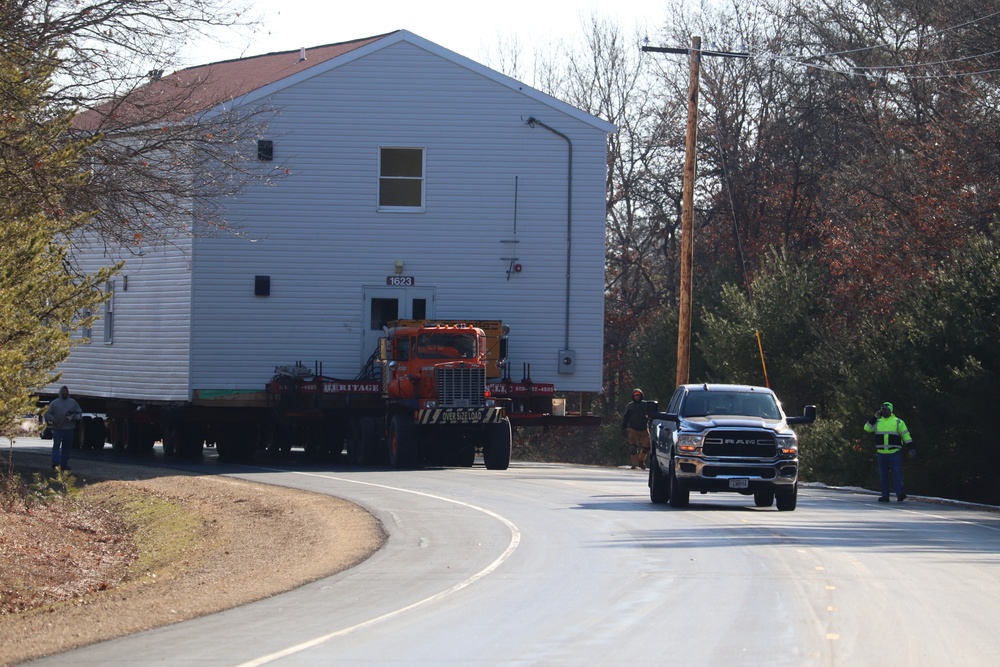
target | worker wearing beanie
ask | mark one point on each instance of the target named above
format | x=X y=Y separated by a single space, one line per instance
x=635 y=425
x=891 y=435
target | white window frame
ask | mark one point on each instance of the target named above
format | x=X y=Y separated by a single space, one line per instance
x=422 y=178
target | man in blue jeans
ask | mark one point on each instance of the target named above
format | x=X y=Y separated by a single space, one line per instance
x=891 y=435
x=63 y=414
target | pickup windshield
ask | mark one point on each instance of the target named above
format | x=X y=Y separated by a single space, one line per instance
x=742 y=404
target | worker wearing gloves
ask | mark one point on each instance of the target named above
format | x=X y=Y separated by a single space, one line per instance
x=635 y=425
x=63 y=414
x=891 y=435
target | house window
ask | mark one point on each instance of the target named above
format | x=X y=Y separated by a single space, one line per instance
x=109 y=314
x=86 y=331
x=401 y=178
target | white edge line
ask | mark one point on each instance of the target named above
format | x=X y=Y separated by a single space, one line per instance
x=515 y=540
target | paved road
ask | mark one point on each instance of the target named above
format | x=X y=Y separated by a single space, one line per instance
x=566 y=565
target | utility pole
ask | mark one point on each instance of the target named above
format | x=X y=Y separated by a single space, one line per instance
x=687 y=200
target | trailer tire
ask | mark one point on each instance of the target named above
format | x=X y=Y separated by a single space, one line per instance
x=119 y=434
x=99 y=434
x=140 y=437
x=496 y=452
x=237 y=444
x=362 y=445
x=402 y=442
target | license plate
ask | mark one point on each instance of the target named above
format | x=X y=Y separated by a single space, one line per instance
x=739 y=483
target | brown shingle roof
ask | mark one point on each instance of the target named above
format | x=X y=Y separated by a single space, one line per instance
x=190 y=91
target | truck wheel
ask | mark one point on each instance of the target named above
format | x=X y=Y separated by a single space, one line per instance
x=496 y=453
x=658 y=484
x=402 y=442
x=676 y=496
x=119 y=434
x=763 y=498
x=788 y=501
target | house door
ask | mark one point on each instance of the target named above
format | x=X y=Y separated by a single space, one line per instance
x=385 y=304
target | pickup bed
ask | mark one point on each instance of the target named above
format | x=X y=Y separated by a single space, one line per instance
x=720 y=437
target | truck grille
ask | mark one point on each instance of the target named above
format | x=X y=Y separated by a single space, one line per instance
x=739 y=471
x=460 y=387
x=740 y=444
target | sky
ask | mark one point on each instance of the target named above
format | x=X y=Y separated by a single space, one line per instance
x=473 y=29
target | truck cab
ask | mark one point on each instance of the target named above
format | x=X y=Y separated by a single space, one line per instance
x=434 y=382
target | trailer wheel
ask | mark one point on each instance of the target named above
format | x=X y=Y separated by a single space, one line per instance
x=140 y=437
x=90 y=434
x=180 y=441
x=119 y=434
x=402 y=442
x=98 y=434
x=237 y=444
x=496 y=452
x=361 y=445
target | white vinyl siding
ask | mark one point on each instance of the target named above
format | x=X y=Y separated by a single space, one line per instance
x=193 y=322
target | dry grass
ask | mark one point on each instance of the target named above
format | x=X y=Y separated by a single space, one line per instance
x=119 y=556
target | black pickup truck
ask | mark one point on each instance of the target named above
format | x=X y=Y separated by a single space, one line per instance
x=723 y=437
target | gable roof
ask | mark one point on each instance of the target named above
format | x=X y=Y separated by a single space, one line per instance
x=197 y=90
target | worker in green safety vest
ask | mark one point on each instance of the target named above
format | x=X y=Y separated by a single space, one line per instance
x=891 y=436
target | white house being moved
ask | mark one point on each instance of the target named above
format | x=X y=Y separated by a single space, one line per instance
x=415 y=183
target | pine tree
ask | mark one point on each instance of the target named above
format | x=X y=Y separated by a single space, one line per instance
x=42 y=299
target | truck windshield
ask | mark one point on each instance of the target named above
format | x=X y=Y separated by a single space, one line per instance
x=743 y=404
x=446 y=345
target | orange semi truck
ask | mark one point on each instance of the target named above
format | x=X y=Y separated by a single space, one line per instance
x=433 y=393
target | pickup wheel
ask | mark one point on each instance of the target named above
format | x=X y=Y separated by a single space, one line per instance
x=763 y=498
x=658 y=484
x=676 y=496
x=402 y=442
x=496 y=453
x=787 y=501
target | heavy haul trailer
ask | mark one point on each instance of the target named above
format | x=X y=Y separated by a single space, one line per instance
x=433 y=393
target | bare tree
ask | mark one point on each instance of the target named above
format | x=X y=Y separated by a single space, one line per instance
x=162 y=157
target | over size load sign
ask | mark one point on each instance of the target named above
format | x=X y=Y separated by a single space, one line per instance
x=460 y=416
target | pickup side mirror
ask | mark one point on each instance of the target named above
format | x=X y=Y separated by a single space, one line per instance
x=808 y=416
x=666 y=416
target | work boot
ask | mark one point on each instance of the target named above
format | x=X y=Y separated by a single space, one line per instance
x=902 y=497
x=883 y=499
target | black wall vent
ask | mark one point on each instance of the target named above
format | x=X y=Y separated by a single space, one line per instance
x=262 y=285
x=265 y=150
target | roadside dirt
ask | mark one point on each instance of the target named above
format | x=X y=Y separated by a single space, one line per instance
x=139 y=549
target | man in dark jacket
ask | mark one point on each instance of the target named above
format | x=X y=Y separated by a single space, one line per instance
x=635 y=425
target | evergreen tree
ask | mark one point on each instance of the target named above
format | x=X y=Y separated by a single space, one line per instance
x=42 y=301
